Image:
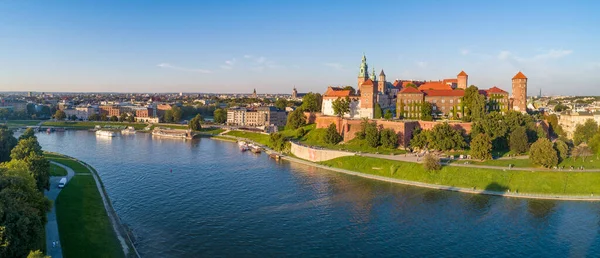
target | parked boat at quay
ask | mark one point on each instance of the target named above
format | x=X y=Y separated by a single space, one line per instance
x=243 y=145
x=106 y=133
x=128 y=130
x=172 y=133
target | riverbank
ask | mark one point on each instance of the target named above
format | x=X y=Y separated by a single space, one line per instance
x=87 y=222
x=551 y=185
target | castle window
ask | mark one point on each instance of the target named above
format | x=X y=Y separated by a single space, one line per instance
x=451 y=101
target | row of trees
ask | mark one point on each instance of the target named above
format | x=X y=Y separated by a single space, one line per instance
x=24 y=175
x=442 y=137
x=376 y=136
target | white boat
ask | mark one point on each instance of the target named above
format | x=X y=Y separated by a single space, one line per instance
x=243 y=145
x=105 y=133
x=128 y=130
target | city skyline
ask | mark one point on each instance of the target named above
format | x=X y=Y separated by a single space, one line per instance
x=231 y=47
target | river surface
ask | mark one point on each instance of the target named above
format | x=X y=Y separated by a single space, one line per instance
x=205 y=198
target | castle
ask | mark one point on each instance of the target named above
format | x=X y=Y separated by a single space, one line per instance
x=406 y=96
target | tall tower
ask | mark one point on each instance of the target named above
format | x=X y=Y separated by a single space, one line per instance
x=294 y=93
x=519 y=92
x=254 y=93
x=363 y=75
x=381 y=82
x=462 y=80
x=373 y=78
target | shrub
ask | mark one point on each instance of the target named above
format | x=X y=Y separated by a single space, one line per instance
x=431 y=163
x=300 y=132
x=331 y=135
x=372 y=135
x=481 y=147
x=389 y=139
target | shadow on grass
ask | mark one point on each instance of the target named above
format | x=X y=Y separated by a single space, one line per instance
x=496 y=187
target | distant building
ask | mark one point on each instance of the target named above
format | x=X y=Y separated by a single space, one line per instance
x=296 y=95
x=260 y=116
x=254 y=94
x=569 y=120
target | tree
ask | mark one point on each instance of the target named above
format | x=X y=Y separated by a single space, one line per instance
x=177 y=113
x=220 y=116
x=94 y=117
x=195 y=123
x=495 y=127
x=542 y=153
x=560 y=107
x=389 y=139
x=518 y=140
x=420 y=139
x=60 y=115
x=281 y=103
x=471 y=93
x=431 y=163
x=30 y=152
x=555 y=128
x=114 y=119
x=277 y=141
x=37 y=254
x=168 y=116
x=401 y=110
x=426 y=110
x=331 y=135
x=582 y=151
x=73 y=117
x=595 y=143
x=26 y=147
x=443 y=137
x=341 y=106
x=584 y=132
x=481 y=147
x=372 y=135
x=351 y=89
x=300 y=132
x=29 y=133
x=23 y=214
x=311 y=102
x=377 y=113
x=388 y=115
x=7 y=143
x=562 y=149
x=364 y=123
x=123 y=117
x=477 y=107
x=296 y=119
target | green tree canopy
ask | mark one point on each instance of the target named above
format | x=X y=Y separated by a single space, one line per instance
x=388 y=115
x=364 y=123
x=37 y=254
x=281 y=103
x=29 y=133
x=555 y=128
x=431 y=163
x=584 y=132
x=562 y=149
x=582 y=151
x=595 y=143
x=443 y=137
x=468 y=98
x=377 y=113
x=177 y=113
x=341 y=106
x=518 y=140
x=26 y=147
x=542 y=153
x=495 y=127
x=372 y=135
x=195 y=123
x=60 y=115
x=352 y=90
x=389 y=138
x=481 y=147
x=311 y=102
x=277 y=141
x=7 y=143
x=426 y=110
x=420 y=139
x=295 y=119
x=220 y=116
x=331 y=135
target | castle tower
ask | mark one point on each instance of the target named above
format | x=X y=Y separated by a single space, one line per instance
x=363 y=75
x=254 y=93
x=381 y=82
x=294 y=93
x=462 y=80
x=368 y=98
x=373 y=78
x=519 y=92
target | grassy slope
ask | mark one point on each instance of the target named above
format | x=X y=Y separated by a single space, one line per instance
x=590 y=163
x=90 y=125
x=84 y=226
x=315 y=138
x=20 y=123
x=57 y=170
x=257 y=137
x=566 y=183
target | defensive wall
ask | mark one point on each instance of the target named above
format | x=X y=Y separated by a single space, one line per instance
x=316 y=155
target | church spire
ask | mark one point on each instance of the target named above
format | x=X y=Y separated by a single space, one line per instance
x=364 y=68
x=373 y=78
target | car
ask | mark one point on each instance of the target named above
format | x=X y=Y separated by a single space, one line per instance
x=62 y=182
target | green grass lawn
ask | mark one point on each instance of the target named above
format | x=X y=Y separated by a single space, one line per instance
x=170 y=126
x=73 y=164
x=257 y=137
x=212 y=130
x=589 y=163
x=21 y=123
x=84 y=226
x=92 y=124
x=564 y=183
x=56 y=170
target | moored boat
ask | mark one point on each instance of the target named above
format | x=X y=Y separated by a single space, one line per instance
x=105 y=133
x=128 y=130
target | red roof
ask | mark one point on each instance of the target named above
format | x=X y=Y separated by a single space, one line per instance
x=446 y=81
x=434 y=86
x=496 y=90
x=396 y=83
x=367 y=82
x=410 y=90
x=450 y=93
x=462 y=73
x=520 y=75
x=336 y=92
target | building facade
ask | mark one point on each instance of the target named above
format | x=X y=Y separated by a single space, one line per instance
x=519 y=92
x=256 y=117
x=569 y=120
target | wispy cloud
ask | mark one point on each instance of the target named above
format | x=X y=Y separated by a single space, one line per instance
x=336 y=66
x=247 y=56
x=547 y=55
x=174 y=67
x=422 y=64
x=464 y=52
x=229 y=64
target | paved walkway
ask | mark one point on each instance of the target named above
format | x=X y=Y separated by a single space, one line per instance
x=52 y=226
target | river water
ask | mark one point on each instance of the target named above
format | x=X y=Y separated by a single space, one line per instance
x=206 y=198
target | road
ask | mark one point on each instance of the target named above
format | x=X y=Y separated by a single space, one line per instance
x=52 y=225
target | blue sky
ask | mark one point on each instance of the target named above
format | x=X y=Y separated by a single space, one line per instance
x=235 y=46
